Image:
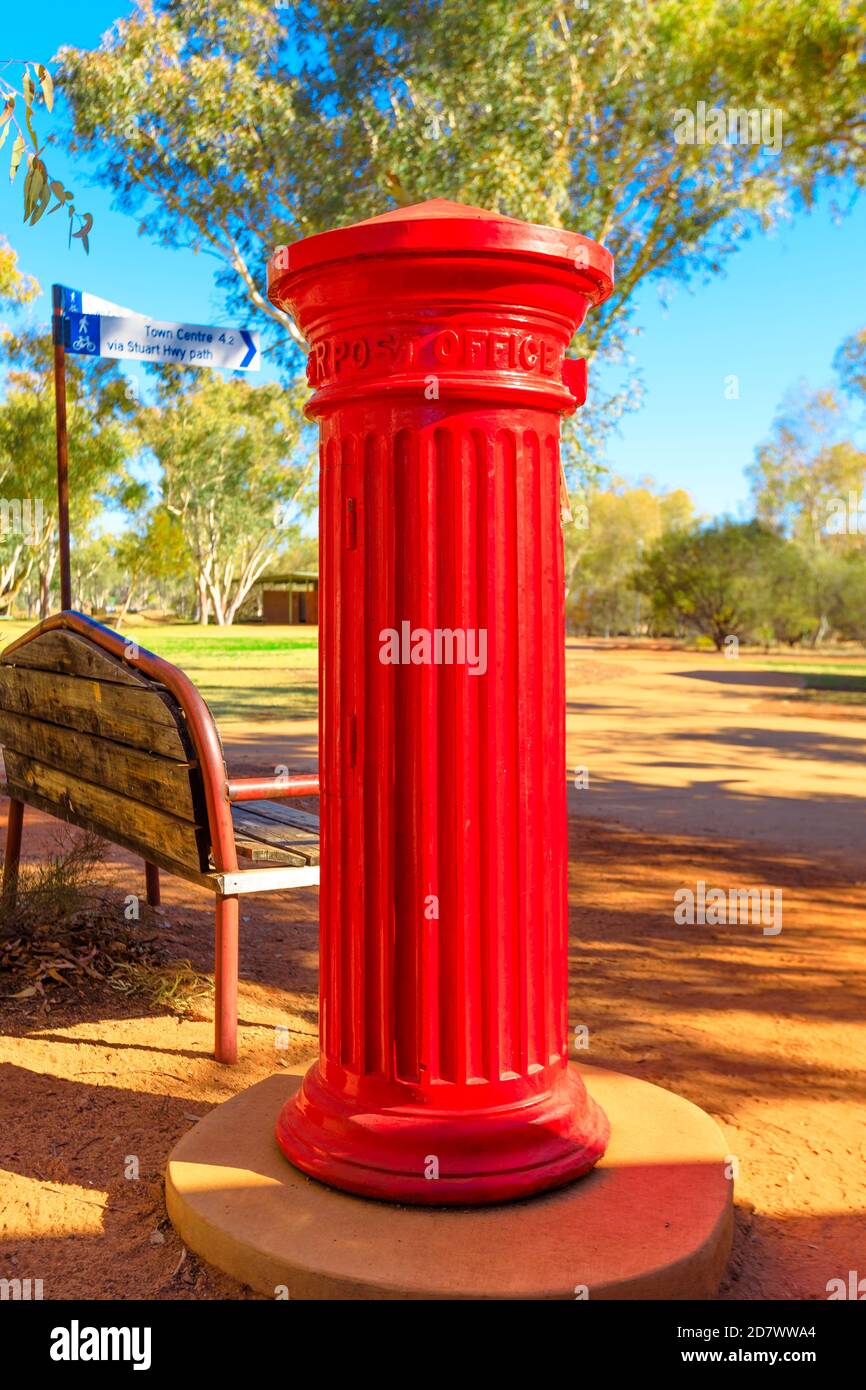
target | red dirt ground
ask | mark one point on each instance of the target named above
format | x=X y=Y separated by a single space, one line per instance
x=692 y=776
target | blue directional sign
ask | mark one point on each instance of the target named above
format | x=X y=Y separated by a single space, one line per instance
x=83 y=302
x=95 y=328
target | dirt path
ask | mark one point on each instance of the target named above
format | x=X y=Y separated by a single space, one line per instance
x=691 y=777
x=702 y=745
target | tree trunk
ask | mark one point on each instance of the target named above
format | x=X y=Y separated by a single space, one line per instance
x=203 y=602
x=216 y=599
x=126 y=602
x=44 y=593
x=46 y=574
x=252 y=572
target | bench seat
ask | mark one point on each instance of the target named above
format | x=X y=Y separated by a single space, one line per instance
x=103 y=734
x=267 y=832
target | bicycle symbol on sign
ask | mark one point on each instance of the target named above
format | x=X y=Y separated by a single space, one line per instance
x=82 y=343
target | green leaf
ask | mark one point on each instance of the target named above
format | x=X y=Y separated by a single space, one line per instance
x=40 y=195
x=81 y=234
x=17 y=155
x=47 y=84
x=29 y=87
x=60 y=194
x=35 y=187
x=28 y=187
x=42 y=204
x=28 y=117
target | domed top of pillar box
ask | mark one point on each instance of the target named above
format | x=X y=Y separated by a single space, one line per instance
x=487 y=303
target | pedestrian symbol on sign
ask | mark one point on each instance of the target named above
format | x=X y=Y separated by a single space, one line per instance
x=83 y=342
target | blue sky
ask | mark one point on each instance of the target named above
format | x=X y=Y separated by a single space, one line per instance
x=775 y=318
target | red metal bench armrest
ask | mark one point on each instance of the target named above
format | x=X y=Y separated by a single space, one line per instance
x=269 y=788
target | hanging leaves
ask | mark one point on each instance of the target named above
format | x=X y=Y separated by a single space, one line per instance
x=82 y=233
x=61 y=194
x=32 y=184
x=37 y=89
x=37 y=192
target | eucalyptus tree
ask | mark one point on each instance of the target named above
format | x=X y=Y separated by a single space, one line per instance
x=234 y=460
x=668 y=130
x=101 y=419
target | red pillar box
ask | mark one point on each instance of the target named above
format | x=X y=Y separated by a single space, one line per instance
x=438 y=335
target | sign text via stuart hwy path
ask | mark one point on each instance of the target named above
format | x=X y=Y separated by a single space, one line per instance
x=140 y=339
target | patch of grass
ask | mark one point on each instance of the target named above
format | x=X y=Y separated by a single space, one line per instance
x=64 y=935
x=840 y=677
x=841 y=683
x=174 y=985
x=842 y=668
x=53 y=891
x=261 y=673
x=202 y=642
x=177 y=640
x=262 y=701
x=819 y=696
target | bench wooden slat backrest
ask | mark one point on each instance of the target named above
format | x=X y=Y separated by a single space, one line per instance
x=95 y=742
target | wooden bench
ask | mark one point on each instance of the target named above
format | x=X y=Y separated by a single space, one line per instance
x=103 y=734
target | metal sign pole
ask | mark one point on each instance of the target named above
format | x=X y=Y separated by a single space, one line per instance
x=62 y=448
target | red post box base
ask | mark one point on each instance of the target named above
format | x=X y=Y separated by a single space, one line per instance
x=654 y=1223
x=442 y=1157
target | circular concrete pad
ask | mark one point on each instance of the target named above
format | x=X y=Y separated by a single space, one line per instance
x=652 y=1221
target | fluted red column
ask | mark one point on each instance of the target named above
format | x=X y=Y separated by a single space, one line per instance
x=438 y=338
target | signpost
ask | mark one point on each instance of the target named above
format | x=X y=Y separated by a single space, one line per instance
x=62 y=447
x=92 y=327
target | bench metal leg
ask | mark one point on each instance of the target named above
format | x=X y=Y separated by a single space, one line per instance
x=226 y=977
x=151 y=879
x=13 y=851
